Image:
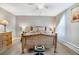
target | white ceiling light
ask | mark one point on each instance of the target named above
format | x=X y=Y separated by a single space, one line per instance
x=40 y=6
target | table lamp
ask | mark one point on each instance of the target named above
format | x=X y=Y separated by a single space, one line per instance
x=4 y=22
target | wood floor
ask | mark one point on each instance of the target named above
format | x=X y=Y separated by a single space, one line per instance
x=16 y=50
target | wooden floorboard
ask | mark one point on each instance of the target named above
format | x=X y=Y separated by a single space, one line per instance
x=16 y=50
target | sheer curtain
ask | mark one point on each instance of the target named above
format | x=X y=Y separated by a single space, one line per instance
x=61 y=28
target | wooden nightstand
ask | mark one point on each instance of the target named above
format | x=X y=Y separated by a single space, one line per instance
x=5 y=40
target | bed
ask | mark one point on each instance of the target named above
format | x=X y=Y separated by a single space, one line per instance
x=38 y=35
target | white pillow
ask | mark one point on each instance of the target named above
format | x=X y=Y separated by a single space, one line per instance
x=41 y=28
x=35 y=29
x=27 y=29
x=48 y=29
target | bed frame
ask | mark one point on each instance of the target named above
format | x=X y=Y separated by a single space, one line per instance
x=38 y=39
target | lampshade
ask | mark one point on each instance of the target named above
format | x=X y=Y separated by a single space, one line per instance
x=3 y=22
x=52 y=26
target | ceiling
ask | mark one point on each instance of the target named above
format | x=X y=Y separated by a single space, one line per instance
x=48 y=9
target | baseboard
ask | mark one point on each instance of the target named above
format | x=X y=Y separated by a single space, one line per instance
x=70 y=45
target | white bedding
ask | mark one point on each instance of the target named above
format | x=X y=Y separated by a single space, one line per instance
x=42 y=32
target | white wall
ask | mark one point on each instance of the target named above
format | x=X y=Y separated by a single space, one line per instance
x=33 y=21
x=11 y=20
x=71 y=30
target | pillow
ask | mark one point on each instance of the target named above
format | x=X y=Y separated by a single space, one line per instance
x=41 y=28
x=35 y=29
x=48 y=29
x=27 y=29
